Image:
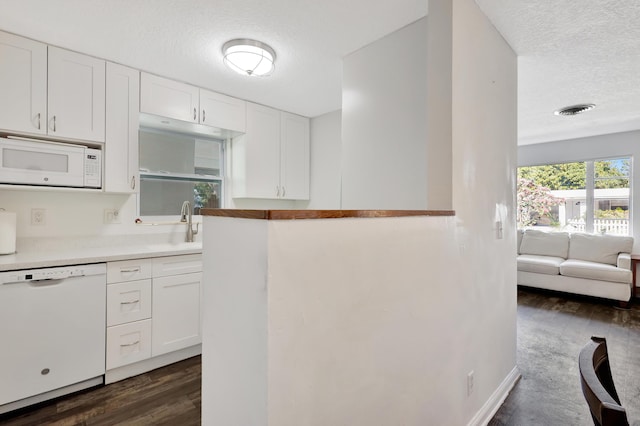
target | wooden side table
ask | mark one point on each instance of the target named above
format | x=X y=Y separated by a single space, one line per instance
x=635 y=258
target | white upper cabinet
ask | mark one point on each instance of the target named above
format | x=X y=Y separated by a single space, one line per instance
x=122 y=122
x=222 y=111
x=47 y=90
x=23 y=84
x=256 y=155
x=168 y=98
x=272 y=159
x=76 y=101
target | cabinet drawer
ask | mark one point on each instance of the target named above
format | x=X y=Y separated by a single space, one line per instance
x=177 y=265
x=128 y=301
x=128 y=270
x=128 y=343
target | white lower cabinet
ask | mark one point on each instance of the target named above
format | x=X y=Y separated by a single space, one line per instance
x=153 y=311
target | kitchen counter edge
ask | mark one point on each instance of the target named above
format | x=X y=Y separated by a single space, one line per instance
x=36 y=260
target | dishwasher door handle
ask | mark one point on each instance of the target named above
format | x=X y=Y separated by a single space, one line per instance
x=45 y=282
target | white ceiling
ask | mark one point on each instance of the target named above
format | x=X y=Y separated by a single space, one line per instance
x=569 y=51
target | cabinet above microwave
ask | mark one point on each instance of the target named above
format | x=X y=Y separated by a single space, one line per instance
x=188 y=104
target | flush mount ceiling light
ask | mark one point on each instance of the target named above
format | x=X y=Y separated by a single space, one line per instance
x=574 y=109
x=249 y=57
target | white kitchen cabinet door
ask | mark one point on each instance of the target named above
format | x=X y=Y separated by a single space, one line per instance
x=176 y=313
x=294 y=157
x=23 y=84
x=121 y=169
x=256 y=155
x=222 y=111
x=168 y=98
x=76 y=96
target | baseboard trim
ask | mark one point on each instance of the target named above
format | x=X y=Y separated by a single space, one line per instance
x=490 y=408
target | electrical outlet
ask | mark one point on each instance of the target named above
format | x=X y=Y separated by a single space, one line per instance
x=470 y=383
x=38 y=217
x=111 y=216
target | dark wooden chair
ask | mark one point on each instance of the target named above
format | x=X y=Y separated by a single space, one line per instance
x=597 y=385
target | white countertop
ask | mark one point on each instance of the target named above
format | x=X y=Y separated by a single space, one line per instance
x=62 y=251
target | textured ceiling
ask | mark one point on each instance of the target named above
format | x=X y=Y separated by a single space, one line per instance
x=181 y=39
x=569 y=51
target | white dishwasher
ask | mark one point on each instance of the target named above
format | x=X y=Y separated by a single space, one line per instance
x=52 y=332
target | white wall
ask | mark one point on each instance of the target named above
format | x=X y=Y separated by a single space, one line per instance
x=383 y=122
x=439 y=108
x=326 y=150
x=484 y=165
x=78 y=214
x=613 y=145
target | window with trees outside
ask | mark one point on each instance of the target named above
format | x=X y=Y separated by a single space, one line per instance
x=589 y=196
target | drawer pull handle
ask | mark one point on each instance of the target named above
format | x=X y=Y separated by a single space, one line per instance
x=133 y=302
x=130 y=270
x=124 y=345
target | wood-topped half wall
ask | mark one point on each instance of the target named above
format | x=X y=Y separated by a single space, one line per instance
x=320 y=214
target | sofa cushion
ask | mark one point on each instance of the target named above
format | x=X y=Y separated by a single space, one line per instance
x=541 y=264
x=594 y=271
x=599 y=248
x=542 y=243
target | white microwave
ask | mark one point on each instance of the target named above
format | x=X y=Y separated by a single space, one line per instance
x=34 y=162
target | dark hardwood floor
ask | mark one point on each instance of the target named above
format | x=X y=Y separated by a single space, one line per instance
x=166 y=396
x=552 y=328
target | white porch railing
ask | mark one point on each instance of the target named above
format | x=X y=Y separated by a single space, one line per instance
x=602 y=226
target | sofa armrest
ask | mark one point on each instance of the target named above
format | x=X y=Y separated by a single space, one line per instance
x=624 y=261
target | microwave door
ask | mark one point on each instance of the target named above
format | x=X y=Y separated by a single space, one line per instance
x=34 y=163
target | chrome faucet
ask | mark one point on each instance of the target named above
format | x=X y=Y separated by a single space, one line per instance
x=186 y=217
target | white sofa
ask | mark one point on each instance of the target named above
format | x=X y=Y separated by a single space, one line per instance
x=588 y=264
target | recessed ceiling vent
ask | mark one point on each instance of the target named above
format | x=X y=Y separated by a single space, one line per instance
x=574 y=109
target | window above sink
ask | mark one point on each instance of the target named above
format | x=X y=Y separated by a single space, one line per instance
x=175 y=167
